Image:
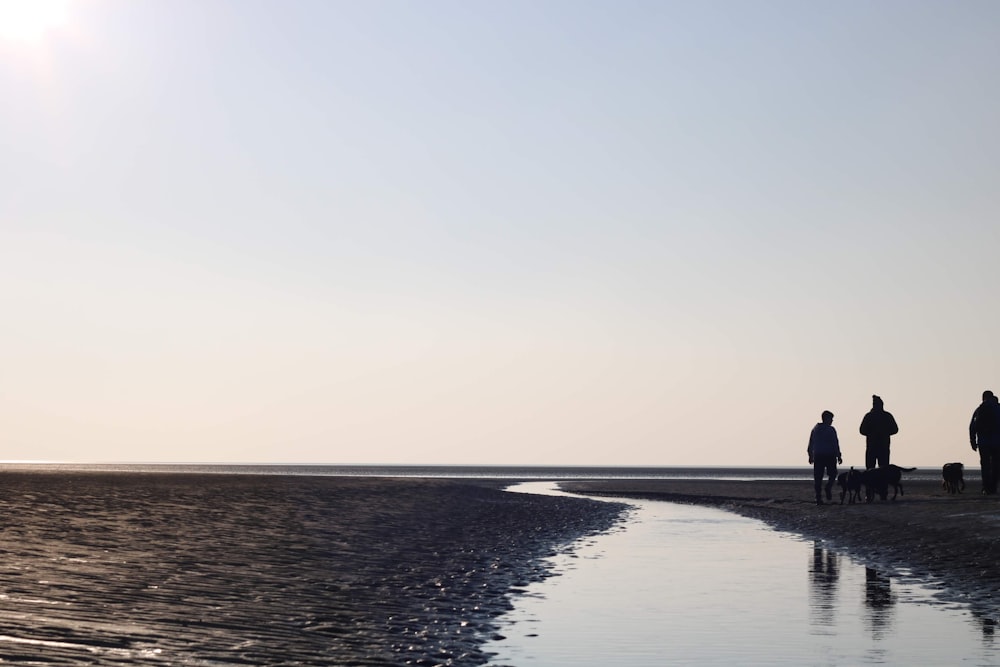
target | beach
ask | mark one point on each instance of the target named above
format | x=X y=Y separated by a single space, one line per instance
x=170 y=568
x=268 y=570
x=952 y=540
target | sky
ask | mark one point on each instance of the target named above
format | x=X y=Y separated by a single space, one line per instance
x=531 y=233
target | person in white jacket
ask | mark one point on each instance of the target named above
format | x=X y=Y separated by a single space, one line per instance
x=824 y=454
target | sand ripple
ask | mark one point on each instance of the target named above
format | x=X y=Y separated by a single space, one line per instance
x=217 y=569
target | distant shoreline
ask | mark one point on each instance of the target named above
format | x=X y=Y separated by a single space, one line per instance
x=531 y=472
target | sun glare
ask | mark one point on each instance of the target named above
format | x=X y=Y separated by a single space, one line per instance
x=28 y=21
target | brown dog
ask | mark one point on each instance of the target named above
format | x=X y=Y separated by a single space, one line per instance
x=953 y=480
x=850 y=485
x=878 y=480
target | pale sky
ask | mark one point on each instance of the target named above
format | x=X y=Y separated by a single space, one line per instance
x=635 y=233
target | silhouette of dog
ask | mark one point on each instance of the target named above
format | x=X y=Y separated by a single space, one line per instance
x=850 y=485
x=953 y=481
x=878 y=481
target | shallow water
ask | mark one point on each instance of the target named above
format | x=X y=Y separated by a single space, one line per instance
x=682 y=584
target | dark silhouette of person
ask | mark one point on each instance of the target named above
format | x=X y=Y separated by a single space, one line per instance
x=824 y=454
x=877 y=427
x=984 y=436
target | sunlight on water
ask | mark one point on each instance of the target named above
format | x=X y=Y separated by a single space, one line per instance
x=684 y=585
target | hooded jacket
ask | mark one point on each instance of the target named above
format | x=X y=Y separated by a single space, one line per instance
x=984 y=429
x=878 y=425
x=823 y=441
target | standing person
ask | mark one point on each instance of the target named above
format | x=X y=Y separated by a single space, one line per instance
x=824 y=454
x=877 y=427
x=984 y=435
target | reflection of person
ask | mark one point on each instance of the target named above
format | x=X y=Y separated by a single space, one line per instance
x=989 y=627
x=877 y=427
x=824 y=454
x=879 y=599
x=824 y=572
x=984 y=435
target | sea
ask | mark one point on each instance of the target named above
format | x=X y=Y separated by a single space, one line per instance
x=677 y=584
x=453 y=471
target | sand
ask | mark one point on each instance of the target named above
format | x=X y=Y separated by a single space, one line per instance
x=271 y=570
x=267 y=570
x=949 y=541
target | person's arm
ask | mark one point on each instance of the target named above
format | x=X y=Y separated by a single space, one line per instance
x=809 y=449
x=864 y=426
x=836 y=442
x=893 y=429
x=972 y=429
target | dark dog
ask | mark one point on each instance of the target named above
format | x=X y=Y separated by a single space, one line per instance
x=878 y=481
x=953 y=482
x=850 y=485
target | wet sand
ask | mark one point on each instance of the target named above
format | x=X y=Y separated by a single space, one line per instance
x=135 y=568
x=268 y=570
x=950 y=539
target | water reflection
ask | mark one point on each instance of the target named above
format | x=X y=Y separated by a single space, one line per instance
x=879 y=602
x=824 y=572
x=879 y=599
x=989 y=626
x=658 y=591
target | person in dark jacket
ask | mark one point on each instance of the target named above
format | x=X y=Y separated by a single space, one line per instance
x=984 y=435
x=824 y=454
x=877 y=427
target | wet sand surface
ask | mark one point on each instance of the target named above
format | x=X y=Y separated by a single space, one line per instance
x=268 y=570
x=953 y=540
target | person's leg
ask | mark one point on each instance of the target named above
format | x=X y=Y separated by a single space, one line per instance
x=831 y=469
x=818 y=479
x=882 y=456
x=985 y=467
x=994 y=468
x=869 y=457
